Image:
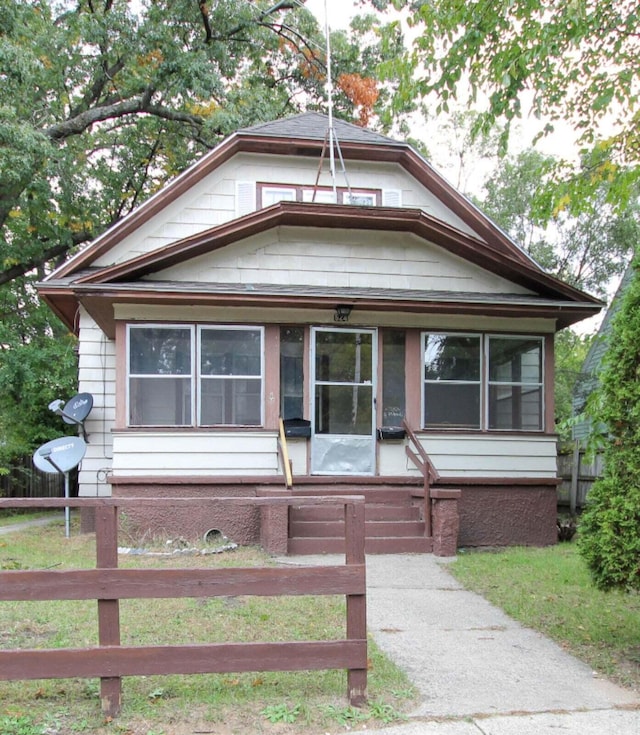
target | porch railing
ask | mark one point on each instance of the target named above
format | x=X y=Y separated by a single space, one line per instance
x=107 y=584
x=283 y=451
x=418 y=455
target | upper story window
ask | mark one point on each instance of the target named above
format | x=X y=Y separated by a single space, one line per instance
x=268 y=194
x=474 y=381
x=183 y=375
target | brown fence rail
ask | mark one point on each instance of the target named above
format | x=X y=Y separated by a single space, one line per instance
x=108 y=585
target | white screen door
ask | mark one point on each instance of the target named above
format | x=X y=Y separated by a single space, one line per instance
x=343 y=384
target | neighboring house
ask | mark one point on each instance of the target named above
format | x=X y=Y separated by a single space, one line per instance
x=254 y=287
x=592 y=364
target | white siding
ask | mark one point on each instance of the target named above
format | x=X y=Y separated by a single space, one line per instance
x=216 y=199
x=96 y=375
x=317 y=257
x=487 y=455
x=175 y=454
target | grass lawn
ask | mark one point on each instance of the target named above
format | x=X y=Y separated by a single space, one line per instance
x=282 y=702
x=550 y=590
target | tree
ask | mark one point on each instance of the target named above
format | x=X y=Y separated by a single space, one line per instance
x=102 y=101
x=610 y=524
x=586 y=247
x=570 y=61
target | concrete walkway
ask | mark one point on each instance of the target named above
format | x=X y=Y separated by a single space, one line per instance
x=478 y=672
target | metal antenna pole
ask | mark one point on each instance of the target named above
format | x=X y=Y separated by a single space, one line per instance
x=332 y=163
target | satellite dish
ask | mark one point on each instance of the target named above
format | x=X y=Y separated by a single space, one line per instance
x=77 y=408
x=75 y=411
x=60 y=455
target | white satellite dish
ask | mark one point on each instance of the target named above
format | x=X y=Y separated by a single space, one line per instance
x=60 y=456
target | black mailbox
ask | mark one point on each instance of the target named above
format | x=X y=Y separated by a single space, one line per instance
x=300 y=428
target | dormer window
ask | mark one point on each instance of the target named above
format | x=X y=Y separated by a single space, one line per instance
x=268 y=194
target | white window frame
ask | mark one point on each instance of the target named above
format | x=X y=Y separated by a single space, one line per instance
x=230 y=328
x=195 y=377
x=424 y=381
x=167 y=326
x=485 y=383
x=279 y=194
x=540 y=385
x=360 y=194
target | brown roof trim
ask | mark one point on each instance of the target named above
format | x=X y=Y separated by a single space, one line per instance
x=99 y=299
x=400 y=153
x=333 y=216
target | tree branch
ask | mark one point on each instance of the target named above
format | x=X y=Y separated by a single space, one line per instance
x=135 y=105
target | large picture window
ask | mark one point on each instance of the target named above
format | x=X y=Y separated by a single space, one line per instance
x=183 y=376
x=474 y=381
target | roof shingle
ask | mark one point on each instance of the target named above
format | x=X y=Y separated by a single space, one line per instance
x=314 y=126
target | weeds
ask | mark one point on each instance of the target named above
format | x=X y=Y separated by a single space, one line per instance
x=281 y=713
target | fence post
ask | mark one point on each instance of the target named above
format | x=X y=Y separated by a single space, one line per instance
x=108 y=610
x=356 y=604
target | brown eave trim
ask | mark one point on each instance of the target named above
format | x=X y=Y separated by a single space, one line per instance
x=336 y=216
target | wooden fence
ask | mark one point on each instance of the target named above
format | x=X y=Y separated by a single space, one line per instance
x=110 y=660
x=577 y=472
x=23 y=480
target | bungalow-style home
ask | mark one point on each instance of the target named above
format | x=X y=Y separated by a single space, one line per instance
x=326 y=276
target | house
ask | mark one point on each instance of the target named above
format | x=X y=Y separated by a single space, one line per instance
x=375 y=310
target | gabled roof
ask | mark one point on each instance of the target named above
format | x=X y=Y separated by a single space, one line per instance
x=301 y=135
x=306 y=135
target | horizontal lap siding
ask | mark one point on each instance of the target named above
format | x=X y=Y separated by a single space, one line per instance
x=308 y=256
x=96 y=375
x=490 y=456
x=178 y=454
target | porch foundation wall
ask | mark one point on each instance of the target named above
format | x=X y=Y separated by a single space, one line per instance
x=239 y=524
x=482 y=513
x=506 y=514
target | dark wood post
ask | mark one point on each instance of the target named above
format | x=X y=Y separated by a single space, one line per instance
x=108 y=610
x=356 y=604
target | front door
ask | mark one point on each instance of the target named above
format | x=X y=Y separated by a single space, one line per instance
x=343 y=388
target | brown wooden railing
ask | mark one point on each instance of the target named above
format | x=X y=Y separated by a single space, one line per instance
x=418 y=455
x=110 y=660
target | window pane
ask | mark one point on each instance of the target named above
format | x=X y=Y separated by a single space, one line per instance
x=160 y=401
x=515 y=408
x=452 y=357
x=272 y=195
x=159 y=351
x=291 y=372
x=343 y=357
x=452 y=405
x=360 y=198
x=342 y=409
x=393 y=377
x=234 y=401
x=230 y=352
x=323 y=196
x=515 y=360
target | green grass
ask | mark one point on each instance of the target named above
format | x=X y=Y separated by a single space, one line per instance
x=12 y=516
x=550 y=590
x=249 y=702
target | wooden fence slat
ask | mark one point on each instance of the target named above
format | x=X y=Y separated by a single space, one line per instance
x=223 y=658
x=119 y=584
